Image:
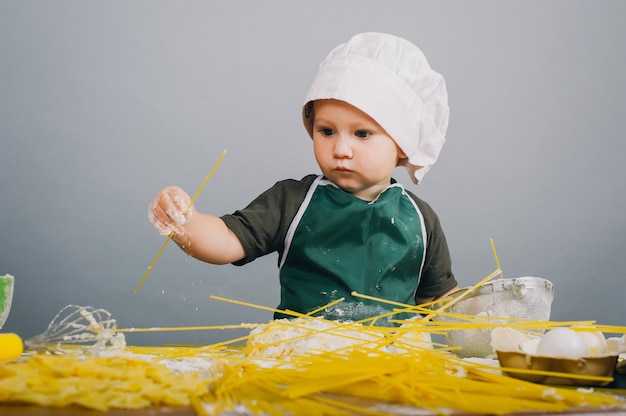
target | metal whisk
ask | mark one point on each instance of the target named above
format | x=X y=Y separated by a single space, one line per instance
x=78 y=325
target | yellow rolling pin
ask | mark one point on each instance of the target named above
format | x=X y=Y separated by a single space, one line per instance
x=11 y=346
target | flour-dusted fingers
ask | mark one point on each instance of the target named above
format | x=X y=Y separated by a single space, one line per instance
x=170 y=210
x=159 y=219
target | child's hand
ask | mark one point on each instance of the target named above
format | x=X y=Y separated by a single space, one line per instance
x=168 y=211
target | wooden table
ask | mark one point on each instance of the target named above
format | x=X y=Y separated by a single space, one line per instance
x=16 y=410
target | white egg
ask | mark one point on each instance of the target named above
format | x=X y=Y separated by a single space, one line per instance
x=562 y=343
x=595 y=343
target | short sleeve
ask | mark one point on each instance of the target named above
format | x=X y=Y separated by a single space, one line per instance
x=262 y=225
x=437 y=277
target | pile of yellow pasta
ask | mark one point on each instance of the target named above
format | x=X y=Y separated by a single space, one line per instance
x=369 y=370
x=370 y=382
x=366 y=377
x=101 y=383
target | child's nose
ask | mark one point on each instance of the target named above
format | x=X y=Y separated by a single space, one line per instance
x=342 y=146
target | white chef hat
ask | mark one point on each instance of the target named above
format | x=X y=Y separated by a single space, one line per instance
x=389 y=79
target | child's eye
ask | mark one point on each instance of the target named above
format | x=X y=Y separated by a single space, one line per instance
x=362 y=134
x=326 y=131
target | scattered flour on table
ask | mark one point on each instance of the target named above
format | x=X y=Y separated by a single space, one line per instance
x=286 y=338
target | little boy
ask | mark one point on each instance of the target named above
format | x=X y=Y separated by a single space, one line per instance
x=375 y=104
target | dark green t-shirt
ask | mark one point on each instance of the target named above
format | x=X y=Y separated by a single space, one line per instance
x=262 y=229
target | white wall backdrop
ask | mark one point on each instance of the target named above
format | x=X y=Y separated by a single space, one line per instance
x=103 y=103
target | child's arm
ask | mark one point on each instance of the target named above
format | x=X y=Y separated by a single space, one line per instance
x=205 y=237
x=420 y=301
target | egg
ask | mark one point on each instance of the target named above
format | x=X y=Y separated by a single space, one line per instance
x=562 y=343
x=595 y=343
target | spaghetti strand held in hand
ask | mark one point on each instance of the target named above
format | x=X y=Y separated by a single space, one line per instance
x=169 y=237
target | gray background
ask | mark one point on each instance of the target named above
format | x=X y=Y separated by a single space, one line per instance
x=104 y=103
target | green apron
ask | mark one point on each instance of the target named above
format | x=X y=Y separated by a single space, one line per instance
x=338 y=244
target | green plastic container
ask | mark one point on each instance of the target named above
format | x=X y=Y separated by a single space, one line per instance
x=6 y=296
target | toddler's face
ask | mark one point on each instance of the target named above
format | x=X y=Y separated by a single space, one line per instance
x=352 y=149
